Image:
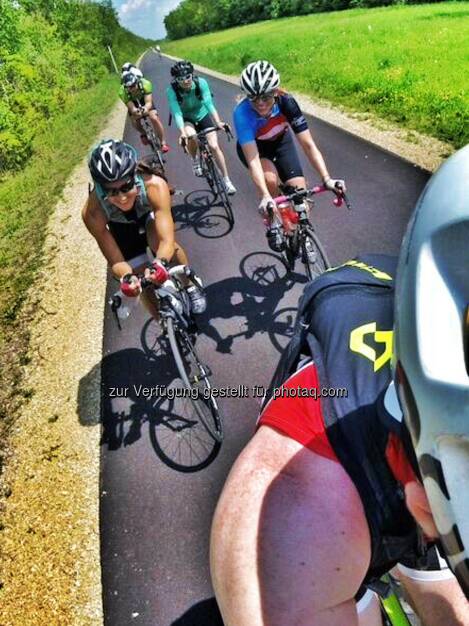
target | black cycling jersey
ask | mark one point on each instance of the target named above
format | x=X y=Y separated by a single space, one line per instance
x=345 y=324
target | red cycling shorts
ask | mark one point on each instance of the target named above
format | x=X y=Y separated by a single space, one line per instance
x=300 y=417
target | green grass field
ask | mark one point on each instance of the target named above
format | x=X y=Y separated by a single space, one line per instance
x=26 y=200
x=408 y=64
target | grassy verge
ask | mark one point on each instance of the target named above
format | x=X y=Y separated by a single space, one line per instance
x=404 y=63
x=27 y=199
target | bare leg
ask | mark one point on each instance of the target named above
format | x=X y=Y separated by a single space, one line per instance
x=271 y=177
x=290 y=542
x=369 y=610
x=192 y=145
x=217 y=153
x=436 y=602
x=157 y=125
x=298 y=181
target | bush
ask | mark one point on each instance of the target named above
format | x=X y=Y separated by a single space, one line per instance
x=51 y=50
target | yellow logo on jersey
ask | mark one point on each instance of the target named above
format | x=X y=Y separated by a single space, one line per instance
x=363 y=266
x=359 y=345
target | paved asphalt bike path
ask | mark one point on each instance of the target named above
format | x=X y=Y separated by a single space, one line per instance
x=155 y=520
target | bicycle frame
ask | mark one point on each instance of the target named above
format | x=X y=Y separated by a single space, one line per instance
x=166 y=294
x=152 y=137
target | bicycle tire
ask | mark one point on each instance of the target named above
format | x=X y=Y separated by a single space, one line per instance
x=290 y=253
x=155 y=144
x=207 y=172
x=157 y=155
x=221 y=192
x=320 y=263
x=187 y=360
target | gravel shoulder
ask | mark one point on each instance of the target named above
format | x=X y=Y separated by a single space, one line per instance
x=50 y=523
x=50 y=537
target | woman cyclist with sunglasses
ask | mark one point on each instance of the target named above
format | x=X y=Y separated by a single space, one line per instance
x=191 y=105
x=265 y=145
x=128 y=210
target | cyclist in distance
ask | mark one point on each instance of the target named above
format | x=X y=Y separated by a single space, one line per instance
x=128 y=210
x=262 y=122
x=136 y=93
x=369 y=467
x=192 y=107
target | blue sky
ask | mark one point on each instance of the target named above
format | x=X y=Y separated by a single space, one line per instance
x=145 y=17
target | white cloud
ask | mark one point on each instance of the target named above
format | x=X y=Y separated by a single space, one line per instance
x=134 y=5
x=145 y=17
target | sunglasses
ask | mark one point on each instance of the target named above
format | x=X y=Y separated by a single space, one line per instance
x=182 y=79
x=125 y=188
x=263 y=98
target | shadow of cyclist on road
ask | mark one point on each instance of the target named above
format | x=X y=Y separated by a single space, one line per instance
x=253 y=296
x=204 y=613
x=202 y=211
x=139 y=386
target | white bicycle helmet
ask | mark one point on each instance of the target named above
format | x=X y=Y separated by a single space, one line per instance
x=130 y=67
x=258 y=78
x=431 y=352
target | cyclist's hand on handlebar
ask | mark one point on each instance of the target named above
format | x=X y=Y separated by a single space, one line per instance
x=130 y=285
x=337 y=185
x=157 y=273
x=265 y=203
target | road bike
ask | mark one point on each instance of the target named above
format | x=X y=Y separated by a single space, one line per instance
x=179 y=328
x=210 y=169
x=153 y=139
x=392 y=611
x=290 y=215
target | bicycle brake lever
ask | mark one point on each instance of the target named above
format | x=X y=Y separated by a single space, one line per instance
x=347 y=202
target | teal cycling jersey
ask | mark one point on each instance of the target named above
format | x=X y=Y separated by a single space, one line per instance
x=191 y=108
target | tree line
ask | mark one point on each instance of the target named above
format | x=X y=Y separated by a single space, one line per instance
x=49 y=50
x=193 y=17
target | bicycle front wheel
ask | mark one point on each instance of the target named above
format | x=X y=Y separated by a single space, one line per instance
x=291 y=251
x=195 y=376
x=221 y=192
x=313 y=254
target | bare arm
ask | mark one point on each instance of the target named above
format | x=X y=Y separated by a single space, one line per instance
x=160 y=200
x=255 y=167
x=95 y=222
x=313 y=153
x=148 y=102
x=131 y=108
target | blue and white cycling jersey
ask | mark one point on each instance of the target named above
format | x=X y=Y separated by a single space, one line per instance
x=250 y=126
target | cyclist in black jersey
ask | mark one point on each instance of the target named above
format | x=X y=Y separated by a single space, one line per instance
x=336 y=488
x=265 y=144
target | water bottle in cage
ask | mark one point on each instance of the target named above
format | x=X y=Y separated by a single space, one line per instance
x=289 y=216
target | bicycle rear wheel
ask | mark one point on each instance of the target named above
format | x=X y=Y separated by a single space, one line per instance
x=195 y=376
x=313 y=254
